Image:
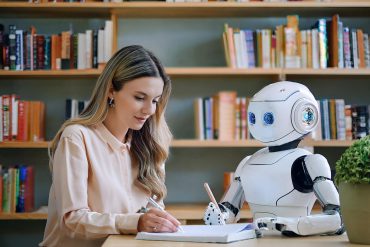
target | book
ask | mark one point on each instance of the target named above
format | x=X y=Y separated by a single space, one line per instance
x=205 y=233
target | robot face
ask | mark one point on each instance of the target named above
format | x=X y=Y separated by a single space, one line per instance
x=282 y=112
x=267 y=123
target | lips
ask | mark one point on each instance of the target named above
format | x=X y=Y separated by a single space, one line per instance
x=141 y=119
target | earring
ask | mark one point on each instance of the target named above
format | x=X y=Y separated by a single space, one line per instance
x=111 y=102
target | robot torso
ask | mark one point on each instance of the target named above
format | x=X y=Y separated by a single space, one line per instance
x=268 y=184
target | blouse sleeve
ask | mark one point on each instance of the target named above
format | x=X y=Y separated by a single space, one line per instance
x=70 y=181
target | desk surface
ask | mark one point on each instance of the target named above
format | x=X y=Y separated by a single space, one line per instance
x=270 y=239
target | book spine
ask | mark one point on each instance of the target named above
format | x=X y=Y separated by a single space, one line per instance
x=6 y=118
x=367 y=50
x=198 y=119
x=340 y=45
x=346 y=48
x=250 y=48
x=40 y=43
x=47 y=55
x=348 y=119
x=315 y=49
x=95 y=49
x=1 y=119
x=323 y=43
x=332 y=119
x=361 y=50
x=354 y=49
x=12 y=47
x=18 y=50
x=340 y=117
x=14 y=116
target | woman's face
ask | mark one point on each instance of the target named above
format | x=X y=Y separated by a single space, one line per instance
x=136 y=101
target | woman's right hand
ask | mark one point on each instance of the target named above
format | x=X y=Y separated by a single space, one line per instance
x=156 y=220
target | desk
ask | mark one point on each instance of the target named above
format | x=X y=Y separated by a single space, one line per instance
x=269 y=240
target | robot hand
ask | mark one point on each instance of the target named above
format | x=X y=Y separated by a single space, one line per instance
x=213 y=216
x=279 y=223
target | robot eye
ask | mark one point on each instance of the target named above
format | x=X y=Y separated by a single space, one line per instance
x=251 y=117
x=268 y=118
x=308 y=116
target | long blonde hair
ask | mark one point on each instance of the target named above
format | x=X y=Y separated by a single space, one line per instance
x=149 y=145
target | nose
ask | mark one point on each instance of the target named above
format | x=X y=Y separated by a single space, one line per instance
x=149 y=108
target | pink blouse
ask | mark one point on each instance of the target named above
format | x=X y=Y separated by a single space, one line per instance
x=93 y=192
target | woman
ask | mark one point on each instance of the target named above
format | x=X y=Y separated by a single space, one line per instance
x=107 y=162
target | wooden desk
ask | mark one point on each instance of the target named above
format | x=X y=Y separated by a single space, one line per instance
x=269 y=240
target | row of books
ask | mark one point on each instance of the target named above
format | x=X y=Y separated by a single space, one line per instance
x=21 y=120
x=27 y=50
x=224 y=117
x=16 y=189
x=339 y=121
x=328 y=44
x=74 y=107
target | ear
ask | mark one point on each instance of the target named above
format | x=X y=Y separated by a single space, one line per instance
x=305 y=115
x=111 y=92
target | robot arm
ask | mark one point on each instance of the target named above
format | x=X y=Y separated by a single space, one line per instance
x=329 y=222
x=230 y=204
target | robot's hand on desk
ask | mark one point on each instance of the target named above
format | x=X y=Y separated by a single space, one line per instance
x=214 y=216
x=266 y=223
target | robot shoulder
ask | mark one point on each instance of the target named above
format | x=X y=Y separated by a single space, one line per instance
x=317 y=166
x=241 y=165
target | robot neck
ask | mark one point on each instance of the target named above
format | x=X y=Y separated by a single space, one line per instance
x=286 y=146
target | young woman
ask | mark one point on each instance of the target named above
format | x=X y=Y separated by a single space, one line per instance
x=107 y=162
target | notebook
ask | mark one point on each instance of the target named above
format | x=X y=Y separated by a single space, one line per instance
x=205 y=233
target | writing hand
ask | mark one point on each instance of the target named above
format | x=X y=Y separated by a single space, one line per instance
x=156 y=220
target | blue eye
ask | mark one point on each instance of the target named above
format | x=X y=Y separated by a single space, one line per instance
x=268 y=118
x=251 y=117
x=308 y=116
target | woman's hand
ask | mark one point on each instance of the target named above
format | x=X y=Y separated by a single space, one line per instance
x=156 y=220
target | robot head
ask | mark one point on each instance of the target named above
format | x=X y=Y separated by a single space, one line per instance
x=282 y=112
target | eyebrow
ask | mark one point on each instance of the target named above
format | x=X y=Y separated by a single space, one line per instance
x=139 y=92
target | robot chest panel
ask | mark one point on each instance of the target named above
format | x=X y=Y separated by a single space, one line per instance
x=266 y=179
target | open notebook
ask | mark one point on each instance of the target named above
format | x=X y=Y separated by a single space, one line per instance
x=205 y=233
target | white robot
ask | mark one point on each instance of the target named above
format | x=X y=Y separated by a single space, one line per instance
x=281 y=182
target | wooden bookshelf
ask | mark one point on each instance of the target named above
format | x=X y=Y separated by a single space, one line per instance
x=51 y=73
x=220 y=71
x=193 y=143
x=193 y=72
x=180 y=10
x=327 y=72
x=15 y=144
x=23 y=216
x=187 y=143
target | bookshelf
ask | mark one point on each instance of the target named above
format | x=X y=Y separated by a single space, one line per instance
x=189 y=143
x=193 y=76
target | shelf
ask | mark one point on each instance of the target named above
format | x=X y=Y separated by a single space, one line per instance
x=192 y=143
x=51 y=73
x=219 y=71
x=192 y=72
x=23 y=216
x=327 y=72
x=181 y=10
x=15 y=144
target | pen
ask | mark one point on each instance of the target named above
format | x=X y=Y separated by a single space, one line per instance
x=156 y=205
x=211 y=197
